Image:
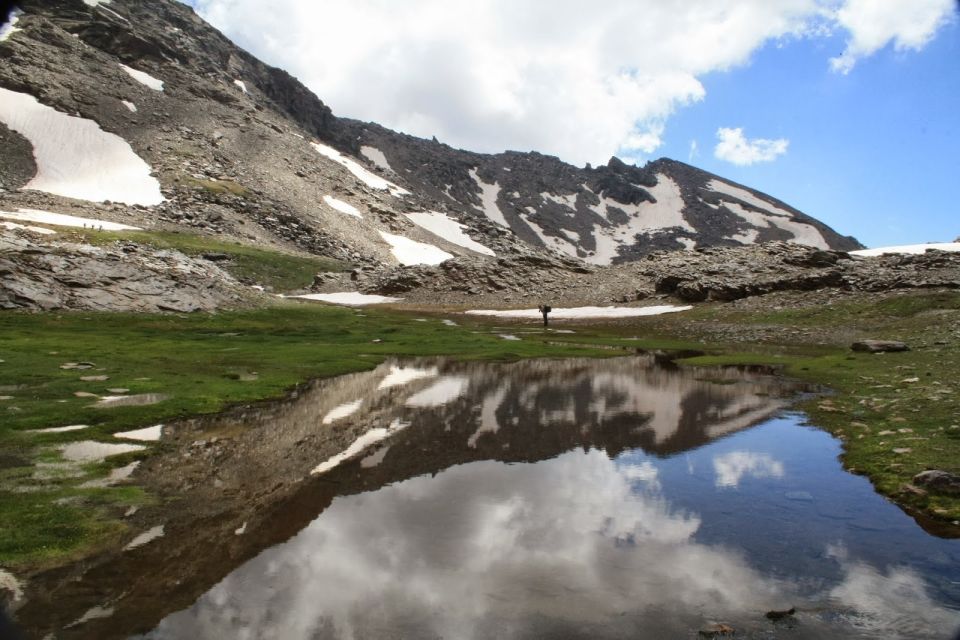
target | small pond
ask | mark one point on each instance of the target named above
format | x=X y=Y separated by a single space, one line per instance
x=616 y=498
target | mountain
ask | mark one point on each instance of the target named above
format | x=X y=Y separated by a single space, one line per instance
x=232 y=147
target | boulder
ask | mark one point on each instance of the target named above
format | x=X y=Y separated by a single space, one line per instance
x=879 y=346
x=938 y=481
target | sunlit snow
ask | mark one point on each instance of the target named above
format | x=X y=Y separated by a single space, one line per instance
x=129 y=105
x=342 y=207
x=8 y=28
x=148 y=434
x=75 y=157
x=63 y=220
x=581 y=312
x=410 y=252
x=241 y=84
x=488 y=199
x=370 y=179
x=348 y=298
x=143 y=78
x=908 y=248
x=449 y=229
x=14 y=225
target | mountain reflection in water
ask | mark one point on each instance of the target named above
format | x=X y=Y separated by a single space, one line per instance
x=378 y=505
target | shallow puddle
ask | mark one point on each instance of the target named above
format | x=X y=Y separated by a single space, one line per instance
x=540 y=499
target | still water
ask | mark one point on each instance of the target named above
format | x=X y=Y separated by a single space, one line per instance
x=614 y=498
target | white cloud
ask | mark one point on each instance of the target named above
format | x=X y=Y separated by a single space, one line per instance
x=734 y=147
x=732 y=467
x=873 y=24
x=564 y=77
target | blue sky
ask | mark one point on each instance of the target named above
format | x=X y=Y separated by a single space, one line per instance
x=845 y=109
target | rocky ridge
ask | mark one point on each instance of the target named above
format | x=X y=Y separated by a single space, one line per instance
x=244 y=151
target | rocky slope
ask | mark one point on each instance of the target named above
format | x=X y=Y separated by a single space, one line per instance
x=233 y=148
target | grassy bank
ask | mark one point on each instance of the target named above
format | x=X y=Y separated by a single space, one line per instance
x=202 y=363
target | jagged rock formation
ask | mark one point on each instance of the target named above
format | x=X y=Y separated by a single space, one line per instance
x=244 y=151
x=43 y=276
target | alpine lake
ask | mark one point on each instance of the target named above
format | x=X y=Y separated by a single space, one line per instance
x=569 y=498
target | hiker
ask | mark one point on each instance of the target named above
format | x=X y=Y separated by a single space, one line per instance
x=545 y=309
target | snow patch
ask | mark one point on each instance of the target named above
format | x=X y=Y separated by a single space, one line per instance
x=8 y=28
x=147 y=536
x=441 y=392
x=347 y=298
x=67 y=429
x=581 y=312
x=488 y=199
x=143 y=78
x=129 y=105
x=689 y=244
x=569 y=201
x=92 y=451
x=441 y=225
x=75 y=157
x=376 y=156
x=410 y=252
x=556 y=243
x=365 y=441
x=342 y=207
x=399 y=376
x=745 y=196
x=64 y=220
x=343 y=411
x=803 y=233
x=95 y=3
x=149 y=434
x=908 y=248
x=369 y=178
x=242 y=85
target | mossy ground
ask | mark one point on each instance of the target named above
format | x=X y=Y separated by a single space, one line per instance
x=897 y=413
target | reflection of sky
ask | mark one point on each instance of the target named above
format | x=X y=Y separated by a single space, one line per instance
x=584 y=545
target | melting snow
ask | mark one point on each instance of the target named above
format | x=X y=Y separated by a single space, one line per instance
x=441 y=392
x=488 y=199
x=348 y=298
x=582 y=312
x=129 y=105
x=149 y=434
x=145 y=537
x=116 y=476
x=365 y=441
x=802 y=233
x=376 y=156
x=370 y=179
x=449 y=229
x=405 y=375
x=67 y=429
x=63 y=220
x=241 y=84
x=143 y=78
x=342 y=207
x=410 y=252
x=92 y=451
x=908 y=248
x=75 y=157
x=7 y=29
x=342 y=411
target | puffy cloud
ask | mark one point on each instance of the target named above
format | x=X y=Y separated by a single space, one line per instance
x=565 y=77
x=873 y=24
x=734 y=147
x=731 y=467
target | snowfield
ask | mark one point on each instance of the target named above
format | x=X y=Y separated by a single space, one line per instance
x=144 y=78
x=13 y=225
x=369 y=178
x=488 y=199
x=581 y=312
x=8 y=28
x=440 y=225
x=410 y=252
x=347 y=298
x=64 y=220
x=908 y=248
x=342 y=207
x=376 y=156
x=75 y=157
